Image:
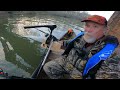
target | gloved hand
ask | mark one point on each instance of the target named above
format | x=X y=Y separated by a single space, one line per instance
x=63 y=44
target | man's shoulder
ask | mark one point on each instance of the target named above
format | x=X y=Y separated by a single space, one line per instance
x=111 y=39
x=110 y=36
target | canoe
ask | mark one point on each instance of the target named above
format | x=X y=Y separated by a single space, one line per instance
x=54 y=48
x=55 y=52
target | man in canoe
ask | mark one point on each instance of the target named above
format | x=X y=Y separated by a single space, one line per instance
x=85 y=53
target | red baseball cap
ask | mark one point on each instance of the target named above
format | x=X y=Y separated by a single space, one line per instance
x=96 y=18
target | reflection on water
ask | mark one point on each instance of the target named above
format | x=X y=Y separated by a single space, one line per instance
x=20 y=51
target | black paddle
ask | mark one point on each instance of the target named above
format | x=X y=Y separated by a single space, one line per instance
x=49 y=41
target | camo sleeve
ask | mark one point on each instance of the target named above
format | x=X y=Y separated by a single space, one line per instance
x=65 y=43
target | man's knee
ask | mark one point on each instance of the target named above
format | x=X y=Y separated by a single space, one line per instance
x=54 y=70
x=47 y=66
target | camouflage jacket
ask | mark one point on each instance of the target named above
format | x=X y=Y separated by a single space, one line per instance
x=79 y=52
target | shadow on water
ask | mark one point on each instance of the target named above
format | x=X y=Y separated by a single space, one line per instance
x=23 y=55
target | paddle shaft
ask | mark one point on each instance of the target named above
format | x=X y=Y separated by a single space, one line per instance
x=52 y=27
x=38 y=70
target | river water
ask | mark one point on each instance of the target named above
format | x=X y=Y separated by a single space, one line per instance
x=20 y=51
